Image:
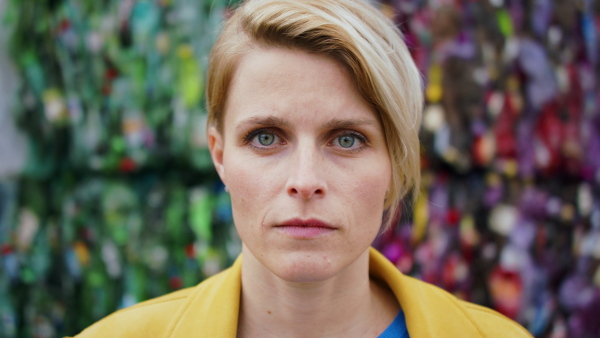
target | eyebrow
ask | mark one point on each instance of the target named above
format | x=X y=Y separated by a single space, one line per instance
x=274 y=121
x=347 y=123
x=267 y=121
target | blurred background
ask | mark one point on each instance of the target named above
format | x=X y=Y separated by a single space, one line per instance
x=108 y=196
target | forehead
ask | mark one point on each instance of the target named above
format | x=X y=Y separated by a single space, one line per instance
x=294 y=83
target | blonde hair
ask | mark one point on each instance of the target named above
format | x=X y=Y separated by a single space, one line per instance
x=360 y=37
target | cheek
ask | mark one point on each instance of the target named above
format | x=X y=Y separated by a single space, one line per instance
x=243 y=189
x=251 y=188
x=374 y=185
x=366 y=193
x=372 y=195
x=375 y=178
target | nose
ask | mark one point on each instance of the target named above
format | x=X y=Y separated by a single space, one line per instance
x=306 y=177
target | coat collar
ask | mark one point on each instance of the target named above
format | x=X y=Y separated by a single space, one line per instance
x=429 y=310
x=213 y=307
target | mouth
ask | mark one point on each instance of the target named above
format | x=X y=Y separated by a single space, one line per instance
x=305 y=229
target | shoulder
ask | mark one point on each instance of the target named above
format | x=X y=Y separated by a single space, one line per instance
x=150 y=318
x=492 y=323
x=208 y=308
x=433 y=312
x=485 y=321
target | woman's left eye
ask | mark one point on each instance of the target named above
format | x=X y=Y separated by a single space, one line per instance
x=349 y=141
x=346 y=141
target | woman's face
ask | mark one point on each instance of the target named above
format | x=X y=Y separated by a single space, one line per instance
x=305 y=161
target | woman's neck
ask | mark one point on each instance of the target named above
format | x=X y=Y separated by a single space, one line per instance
x=348 y=304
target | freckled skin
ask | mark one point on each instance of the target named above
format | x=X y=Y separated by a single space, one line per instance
x=305 y=174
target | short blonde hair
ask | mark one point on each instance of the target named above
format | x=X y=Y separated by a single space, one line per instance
x=361 y=38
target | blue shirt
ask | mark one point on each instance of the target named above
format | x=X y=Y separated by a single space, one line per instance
x=397 y=328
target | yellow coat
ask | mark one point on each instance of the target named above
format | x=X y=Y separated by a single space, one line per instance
x=211 y=309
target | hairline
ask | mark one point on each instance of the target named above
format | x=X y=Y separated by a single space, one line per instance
x=251 y=44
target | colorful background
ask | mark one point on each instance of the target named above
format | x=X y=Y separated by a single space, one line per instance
x=108 y=196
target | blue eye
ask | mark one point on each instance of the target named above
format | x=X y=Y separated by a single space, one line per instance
x=346 y=141
x=266 y=139
x=350 y=141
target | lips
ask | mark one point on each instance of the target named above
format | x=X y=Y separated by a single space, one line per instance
x=305 y=229
x=313 y=222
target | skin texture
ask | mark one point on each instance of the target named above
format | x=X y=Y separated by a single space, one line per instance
x=299 y=144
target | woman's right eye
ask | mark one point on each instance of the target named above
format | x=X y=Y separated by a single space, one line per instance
x=263 y=139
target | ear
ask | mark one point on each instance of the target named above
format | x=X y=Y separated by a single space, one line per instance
x=216 y=146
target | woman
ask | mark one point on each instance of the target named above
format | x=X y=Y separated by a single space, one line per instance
x=314 y=109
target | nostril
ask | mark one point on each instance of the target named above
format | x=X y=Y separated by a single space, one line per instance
x=306 y=193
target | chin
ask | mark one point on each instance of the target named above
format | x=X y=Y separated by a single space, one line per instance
x=302 y=267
